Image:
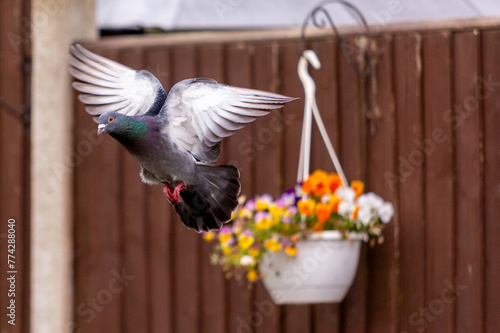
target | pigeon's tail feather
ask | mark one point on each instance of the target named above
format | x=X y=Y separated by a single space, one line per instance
x=210 y=204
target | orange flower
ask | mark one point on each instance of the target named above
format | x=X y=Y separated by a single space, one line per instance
x=355 y=212
x=319 y=182
x=334 y=181
x=306 y=207
x=252 y=275
x=291 y=251
x=293 y=238
x=323 y=212
x=317 y=227
x=334 y=202
x=358 y=187
x=306 y=187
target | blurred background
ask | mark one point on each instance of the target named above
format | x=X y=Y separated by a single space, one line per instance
x=98 y=251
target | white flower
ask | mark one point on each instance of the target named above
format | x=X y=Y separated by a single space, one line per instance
x=385 y=212
x=365 y=216
x=346 y=193
x=370 y=200
x=345 y=208
x=326 y=198
x=246 y=260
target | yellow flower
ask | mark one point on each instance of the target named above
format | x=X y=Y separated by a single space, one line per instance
x=272 y=245
x=275 y=212
x=252 y=275
x=224 y=238
x=291 y=251
x=323 y=211
x=306 y=207
x=209 y=236
x=245 y=241
x=245 y=213
x=334 y=202
x=358 y=187
x=226 y=250
x=253 y=252
x=260 y=205
x=263 y=224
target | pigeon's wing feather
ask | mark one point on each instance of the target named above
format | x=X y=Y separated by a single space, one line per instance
x=201 y=112
x=107 y=85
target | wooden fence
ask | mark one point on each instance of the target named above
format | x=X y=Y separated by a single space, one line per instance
x=435 y=153
x=14 y=163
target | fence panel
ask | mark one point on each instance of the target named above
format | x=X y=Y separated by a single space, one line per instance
x=441 y=177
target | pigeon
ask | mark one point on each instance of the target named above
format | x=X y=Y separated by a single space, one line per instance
x=175 y=137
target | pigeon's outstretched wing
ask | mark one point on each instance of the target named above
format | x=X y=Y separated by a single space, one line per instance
x=110 y=86
x=201 y=112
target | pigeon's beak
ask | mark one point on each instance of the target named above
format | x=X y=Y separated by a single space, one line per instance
x=101 y=128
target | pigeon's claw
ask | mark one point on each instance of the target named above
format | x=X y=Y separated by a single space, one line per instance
x=174 y=194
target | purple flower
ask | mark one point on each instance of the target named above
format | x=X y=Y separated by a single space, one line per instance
x=261 y=215
x=250 y=205
x=267 y=198
x=226 y=230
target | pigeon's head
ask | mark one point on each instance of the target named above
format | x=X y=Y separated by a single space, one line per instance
x=123 y=128
x=109 y=122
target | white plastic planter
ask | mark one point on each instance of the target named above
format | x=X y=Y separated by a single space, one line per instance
x=322 y=271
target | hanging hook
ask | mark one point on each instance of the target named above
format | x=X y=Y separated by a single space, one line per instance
x=310 y=110
x=314 y=16
x=308 y=57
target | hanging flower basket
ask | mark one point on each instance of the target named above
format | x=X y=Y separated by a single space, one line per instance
x=322 y=271
x=304 y=245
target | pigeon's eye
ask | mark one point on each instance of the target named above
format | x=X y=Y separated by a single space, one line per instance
x=110 y=119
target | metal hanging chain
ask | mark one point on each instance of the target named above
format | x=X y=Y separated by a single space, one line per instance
x=314 y=16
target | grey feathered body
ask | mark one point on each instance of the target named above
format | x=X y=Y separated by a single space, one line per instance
x=160 y=159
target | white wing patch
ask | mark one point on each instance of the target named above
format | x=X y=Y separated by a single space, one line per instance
x=202 y=112
x=110 y=86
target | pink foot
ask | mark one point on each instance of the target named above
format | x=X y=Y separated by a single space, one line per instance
x=174 y=194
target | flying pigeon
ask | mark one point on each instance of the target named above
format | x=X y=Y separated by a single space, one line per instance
x=175 y=137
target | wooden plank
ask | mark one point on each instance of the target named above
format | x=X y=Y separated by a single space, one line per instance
x=135 y=299
x=213 y=293
x=354 y=305
x=289 y=34
x=160 y=219
x=382 y=259
x=297 y=317
x=98 y=257
x=491 y=95
x=186 y=241
x=439 y=188
x=268 y=133
x=327 y=101
x=293 y=112
x=409 y=175
x=13 y=165
x=326 y=316
x=240 y=152
x=468 y=140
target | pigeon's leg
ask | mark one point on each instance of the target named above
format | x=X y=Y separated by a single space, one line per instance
x=174 y=194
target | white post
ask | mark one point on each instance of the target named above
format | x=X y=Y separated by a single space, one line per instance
x=54 y=25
